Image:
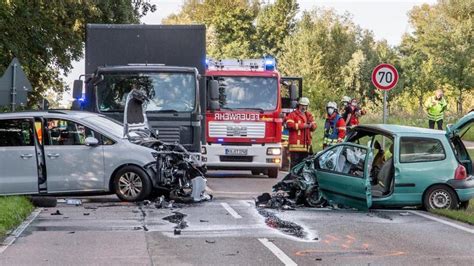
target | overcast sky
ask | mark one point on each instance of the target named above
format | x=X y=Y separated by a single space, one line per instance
x=387 y=19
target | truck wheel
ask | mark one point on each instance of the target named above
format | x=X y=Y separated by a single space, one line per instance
x=285 y=162
x=131 y=183
x=256 y=172
x=440 y=197
x=273 y=172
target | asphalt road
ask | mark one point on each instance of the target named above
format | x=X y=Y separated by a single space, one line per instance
x=230 y=231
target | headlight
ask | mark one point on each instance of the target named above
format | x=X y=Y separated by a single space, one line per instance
x=273 y=151
x=155 y=155
x=203 y=150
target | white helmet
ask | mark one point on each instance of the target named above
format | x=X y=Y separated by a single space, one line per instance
x=303 y=101
x=346 y=99
x=332 y=105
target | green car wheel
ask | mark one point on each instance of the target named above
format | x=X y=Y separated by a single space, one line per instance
x=440 y=197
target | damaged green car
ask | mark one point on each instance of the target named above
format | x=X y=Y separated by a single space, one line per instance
x=383 y=166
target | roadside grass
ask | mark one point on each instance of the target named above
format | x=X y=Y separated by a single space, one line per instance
x=13 y=210
x=466 y=216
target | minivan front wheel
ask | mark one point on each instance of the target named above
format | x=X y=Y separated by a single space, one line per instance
x=131 y=183
x=440 y=197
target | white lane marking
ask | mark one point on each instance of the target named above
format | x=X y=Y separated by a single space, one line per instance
x=277 y=252
x=229 y=209
x=460 y=227
x=18 y=231
x=247 y=203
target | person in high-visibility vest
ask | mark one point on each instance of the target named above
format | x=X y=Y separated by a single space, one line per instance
x=435 y=107
x=300 y=124
x=335 y=126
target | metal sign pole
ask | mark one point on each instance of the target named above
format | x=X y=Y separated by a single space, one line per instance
x=385 y=107
x=14 y=87
x=384 y=114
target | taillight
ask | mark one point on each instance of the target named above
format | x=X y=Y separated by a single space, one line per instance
x=460 y=173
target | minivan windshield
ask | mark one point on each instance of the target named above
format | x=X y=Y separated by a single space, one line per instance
x=248 y=92
x=168 y=91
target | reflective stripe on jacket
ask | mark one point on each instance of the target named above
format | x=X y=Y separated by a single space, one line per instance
x=299 y=138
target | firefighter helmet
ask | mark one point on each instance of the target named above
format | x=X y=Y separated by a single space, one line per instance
x=332 y=105
x=303 y=101
x=346 y=99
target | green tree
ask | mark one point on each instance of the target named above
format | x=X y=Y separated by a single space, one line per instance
x=322 y=44
x=47 y=36
x=230 y=25
x=444 y=33
x=275 y=22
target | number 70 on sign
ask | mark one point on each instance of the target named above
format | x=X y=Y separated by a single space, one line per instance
x=385 y=77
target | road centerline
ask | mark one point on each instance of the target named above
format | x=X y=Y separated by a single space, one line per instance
x=229 y=209
x=277 y=252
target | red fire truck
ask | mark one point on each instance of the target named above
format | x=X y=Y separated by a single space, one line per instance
x=244 y=116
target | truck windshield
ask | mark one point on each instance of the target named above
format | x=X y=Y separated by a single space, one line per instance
x=168 y=92
x=248 y=93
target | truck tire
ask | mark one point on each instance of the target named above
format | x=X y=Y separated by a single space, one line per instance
x=131 y=183
x=273 y=172
x=440 y=197
x=285 y=162
x=256 y=172
x=43 y=201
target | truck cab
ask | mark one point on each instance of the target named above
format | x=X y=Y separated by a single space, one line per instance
x=244 y=116
x=157 y=59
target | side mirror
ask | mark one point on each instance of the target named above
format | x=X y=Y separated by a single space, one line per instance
x=91 y=141
x=45 y=104
x=293 y=95
x=77 y=89
x=293 y=92
x=213 y=95
x=214 y=90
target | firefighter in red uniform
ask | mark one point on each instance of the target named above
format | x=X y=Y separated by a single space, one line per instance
x=300 y=124
x=351 y=112
x=335 y=126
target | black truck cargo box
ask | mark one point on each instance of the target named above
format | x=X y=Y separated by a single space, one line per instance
x=173 y=45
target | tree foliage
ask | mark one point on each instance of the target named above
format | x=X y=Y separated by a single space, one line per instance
x=443 y=45
x=47 y=36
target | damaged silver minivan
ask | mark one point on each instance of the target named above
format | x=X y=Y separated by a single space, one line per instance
x=73 y=152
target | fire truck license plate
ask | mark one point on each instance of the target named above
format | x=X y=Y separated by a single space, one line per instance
x=235 y=152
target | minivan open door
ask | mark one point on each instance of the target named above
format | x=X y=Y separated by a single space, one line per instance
x=343 y=175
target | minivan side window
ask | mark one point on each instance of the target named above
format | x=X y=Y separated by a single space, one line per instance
x=415 y=150
x=16 y=132
x=65 y=132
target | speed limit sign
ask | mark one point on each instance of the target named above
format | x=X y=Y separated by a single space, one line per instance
x=385 y=77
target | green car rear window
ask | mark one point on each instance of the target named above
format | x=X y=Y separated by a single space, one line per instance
x=415 y=150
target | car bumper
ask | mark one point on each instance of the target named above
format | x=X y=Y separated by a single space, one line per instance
x=464 y=188
x=256 y=157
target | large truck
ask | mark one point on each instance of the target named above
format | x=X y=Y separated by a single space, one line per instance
x=244 y=118
x=166 y=60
